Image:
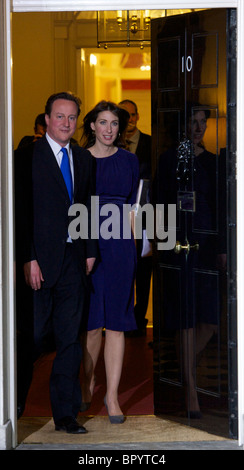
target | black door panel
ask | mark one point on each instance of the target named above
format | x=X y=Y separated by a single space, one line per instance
x=190 y=153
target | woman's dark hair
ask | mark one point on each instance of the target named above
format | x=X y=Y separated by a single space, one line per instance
x=88 y=137
x=195 y=107
x=63 y=95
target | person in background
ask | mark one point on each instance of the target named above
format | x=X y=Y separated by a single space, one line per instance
x=39 y=131
x=140 y=144
x=111 y=301
x=55 y=266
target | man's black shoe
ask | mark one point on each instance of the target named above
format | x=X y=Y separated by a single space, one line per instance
x=70 y=425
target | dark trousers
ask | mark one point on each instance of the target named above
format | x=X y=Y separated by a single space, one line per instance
x=58 y=311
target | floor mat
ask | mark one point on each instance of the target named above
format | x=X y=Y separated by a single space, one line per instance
x=134 y=429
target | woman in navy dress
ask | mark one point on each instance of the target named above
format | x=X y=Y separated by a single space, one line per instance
x=111 y=299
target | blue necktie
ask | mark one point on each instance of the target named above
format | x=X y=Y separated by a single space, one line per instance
x=65 y=168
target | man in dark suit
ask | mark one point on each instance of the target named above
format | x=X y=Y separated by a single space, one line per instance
x=55 y=266
x=140 y=144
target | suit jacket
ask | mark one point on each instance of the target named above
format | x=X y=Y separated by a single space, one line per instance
x=143 y=153
x=44 y=202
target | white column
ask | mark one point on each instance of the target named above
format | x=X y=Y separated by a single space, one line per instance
x=7 y=317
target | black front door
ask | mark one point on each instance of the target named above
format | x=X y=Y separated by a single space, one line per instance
x=192 y=80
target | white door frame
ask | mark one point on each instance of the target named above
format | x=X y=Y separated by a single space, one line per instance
x=7 y=316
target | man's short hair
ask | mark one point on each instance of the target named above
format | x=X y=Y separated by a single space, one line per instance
x=131 y=102
x=64 y=95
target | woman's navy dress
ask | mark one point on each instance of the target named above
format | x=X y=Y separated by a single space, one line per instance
x=111 y=302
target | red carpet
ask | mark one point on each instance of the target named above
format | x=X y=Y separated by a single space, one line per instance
x=136 y=386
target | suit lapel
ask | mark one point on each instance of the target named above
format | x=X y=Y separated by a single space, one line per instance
x=80 y=168
x=140 y=145
x=53 y=166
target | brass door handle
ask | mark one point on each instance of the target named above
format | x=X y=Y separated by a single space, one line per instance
x=178 y=247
